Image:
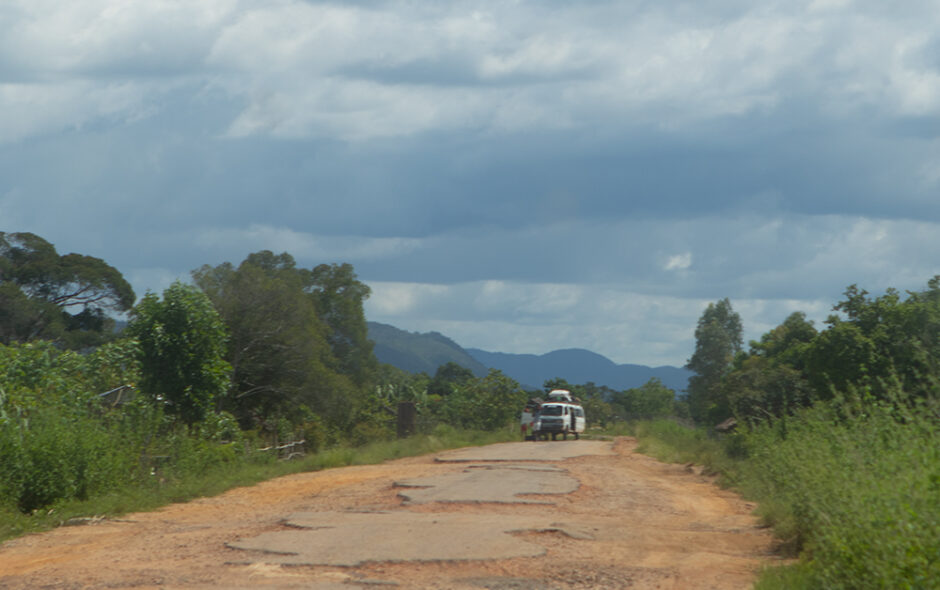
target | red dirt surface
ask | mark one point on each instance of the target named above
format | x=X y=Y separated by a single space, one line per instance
x=654 y=526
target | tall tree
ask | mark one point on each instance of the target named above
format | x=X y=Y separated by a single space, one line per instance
x=339 y=296
x=23 y=319
x=66 y=297
x=182 y=343
x=279 y=347
x=770 y=380
x=718 y=338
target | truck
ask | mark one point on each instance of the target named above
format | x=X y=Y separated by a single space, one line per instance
x=560 y=414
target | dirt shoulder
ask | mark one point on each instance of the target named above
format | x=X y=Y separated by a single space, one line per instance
x=632 y=523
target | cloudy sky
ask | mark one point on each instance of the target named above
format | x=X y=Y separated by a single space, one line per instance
x=521 y=176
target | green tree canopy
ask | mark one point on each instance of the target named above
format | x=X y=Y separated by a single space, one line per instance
x=788 y=342
x=280 y=348
x=717 y=340
x=182 y=346
x=759 y=389
x=881 y=339
x=877 y=345
x=45 y=295
x=277 y=345
x=449 y=378
x=338 y=296
x=649 y=401
x=486 y=403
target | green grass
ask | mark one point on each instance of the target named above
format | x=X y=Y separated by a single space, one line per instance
x=853 y=490
x=222 y=477
x=673 y=443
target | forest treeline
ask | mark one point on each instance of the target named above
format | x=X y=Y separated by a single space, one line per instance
x=835 y=432
x=241 y=358
x=886 y=348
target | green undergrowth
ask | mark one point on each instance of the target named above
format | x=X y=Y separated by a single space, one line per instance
x=851 y=488
x=201 y=478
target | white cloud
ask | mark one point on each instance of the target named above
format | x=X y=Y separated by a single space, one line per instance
x=293 y=63
x=154 y=280
x=679 y=262
x=389 y=300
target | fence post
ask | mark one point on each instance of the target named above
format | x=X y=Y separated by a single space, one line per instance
x=407 y=416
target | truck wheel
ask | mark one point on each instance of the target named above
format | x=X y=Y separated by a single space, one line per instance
x=564 y=435
x=577 y=436
x=554 y=435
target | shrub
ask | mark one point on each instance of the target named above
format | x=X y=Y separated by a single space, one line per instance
x=857 y=488
x=853 y=486
x=52 y=457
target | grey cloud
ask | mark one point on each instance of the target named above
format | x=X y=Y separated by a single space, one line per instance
x=456 y=71
x=678 y=150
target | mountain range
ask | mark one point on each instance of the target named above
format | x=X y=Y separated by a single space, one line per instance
x=425 y=352
x=419 y=352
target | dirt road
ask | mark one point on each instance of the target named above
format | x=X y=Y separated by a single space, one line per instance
x=612 y=520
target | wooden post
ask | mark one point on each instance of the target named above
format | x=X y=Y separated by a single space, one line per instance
x=407 y=418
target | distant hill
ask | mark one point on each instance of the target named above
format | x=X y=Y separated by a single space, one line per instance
x=578 y=366
x=419 y=353
x=424 y=352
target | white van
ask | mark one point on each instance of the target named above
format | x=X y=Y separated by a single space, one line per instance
x=560 y=415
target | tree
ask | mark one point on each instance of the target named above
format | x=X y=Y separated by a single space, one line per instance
x=487 y=403
x=717 y=340
x=338 y=296
x=23 y=319
x=594 y=398
x=788 y=342
x=279 y=347
x=770 y=380
x=66 y=297
x=558 y=383
x=182 y=345
x=449 y=378
x=647 y=402
x=878 y=341
x=760 y=388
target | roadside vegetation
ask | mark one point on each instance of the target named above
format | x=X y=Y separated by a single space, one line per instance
x=836 y=434
x=210 y=385
x=180 y=482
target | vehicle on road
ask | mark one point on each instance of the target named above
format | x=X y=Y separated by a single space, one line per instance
x=561 y=414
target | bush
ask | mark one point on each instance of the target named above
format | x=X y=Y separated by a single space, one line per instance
x=52 y=457
x=857 y=488
x=853 y=486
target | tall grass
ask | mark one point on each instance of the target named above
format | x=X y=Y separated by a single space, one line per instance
x=852 y=487
x=855 y=487
x=671 y=442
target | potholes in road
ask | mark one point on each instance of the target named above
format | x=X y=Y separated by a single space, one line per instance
x=352 y=538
